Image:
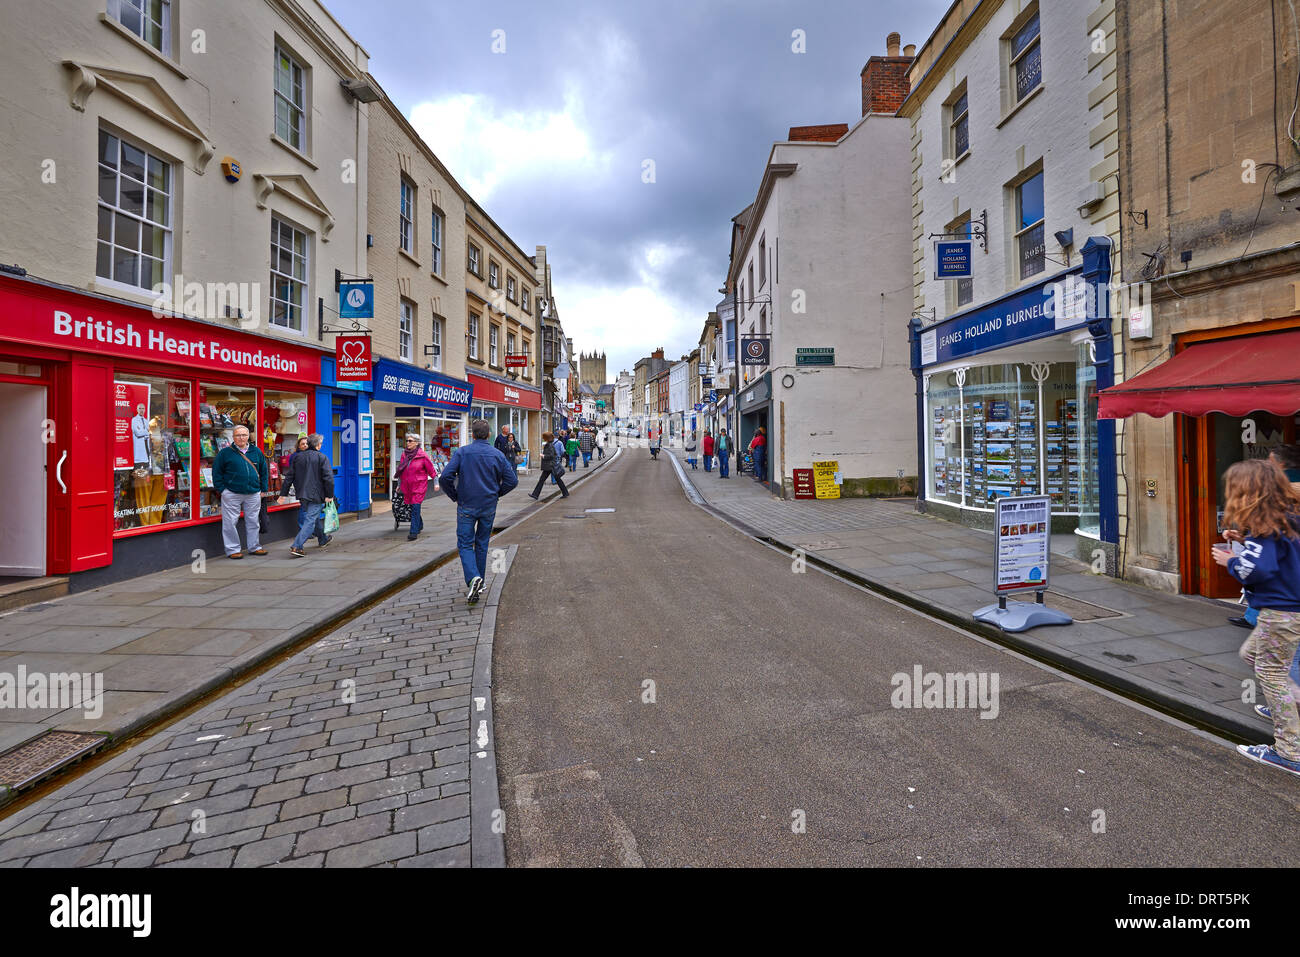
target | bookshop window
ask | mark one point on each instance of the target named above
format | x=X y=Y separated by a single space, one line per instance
x=220 y=409
x=284 y=421
x=151 y=452
x=990 y=438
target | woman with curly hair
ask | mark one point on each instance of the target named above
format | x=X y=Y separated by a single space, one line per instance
x=1260 y=512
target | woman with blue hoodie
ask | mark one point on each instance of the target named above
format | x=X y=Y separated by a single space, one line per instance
x=1261 y=505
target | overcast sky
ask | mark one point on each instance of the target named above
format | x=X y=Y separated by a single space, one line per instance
x=551 y=135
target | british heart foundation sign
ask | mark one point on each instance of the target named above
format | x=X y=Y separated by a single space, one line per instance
x=352 y=357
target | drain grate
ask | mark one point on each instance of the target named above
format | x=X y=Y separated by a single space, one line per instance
x=28 y=763
x=1078 y=609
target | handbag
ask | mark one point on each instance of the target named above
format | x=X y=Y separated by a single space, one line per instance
x=264 y=519
x=330 y=516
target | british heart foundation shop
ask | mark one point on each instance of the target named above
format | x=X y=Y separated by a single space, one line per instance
x=111 y=419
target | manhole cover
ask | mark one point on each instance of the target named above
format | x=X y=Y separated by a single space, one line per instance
x=1080 y=610
x=29 y=762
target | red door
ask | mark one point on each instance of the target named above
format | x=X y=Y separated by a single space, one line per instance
x=81 y=472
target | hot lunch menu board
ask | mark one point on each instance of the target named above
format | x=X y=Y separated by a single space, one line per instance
x=1023 y=529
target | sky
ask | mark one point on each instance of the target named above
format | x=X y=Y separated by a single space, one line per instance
x=548 y=113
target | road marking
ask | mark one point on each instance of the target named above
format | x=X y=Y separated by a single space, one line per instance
x=602 y=510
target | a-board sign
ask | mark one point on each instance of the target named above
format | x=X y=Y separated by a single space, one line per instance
x=1023 y=528
x=824 y=479
x=803 y=484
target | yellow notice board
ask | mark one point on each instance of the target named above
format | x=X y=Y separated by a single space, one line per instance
x=824 y=479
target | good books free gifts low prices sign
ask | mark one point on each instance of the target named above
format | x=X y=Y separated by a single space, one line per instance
x=1023 y=536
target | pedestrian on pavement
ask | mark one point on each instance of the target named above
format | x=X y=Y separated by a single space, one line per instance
x=691 y=444
x=586 y=444
x=1263 y=511
x=723 y=448
x=656 y=438
x=414 y=472
x=758 y=447
x=1288 y=459
x=240 y=475
x=600 y=446
x=571 y=450
x=477 y=476
x=507 y=445
x=708 y=451
x=311 y=477
x=550 y=466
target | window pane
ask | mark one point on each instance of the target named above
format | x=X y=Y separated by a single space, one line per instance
x=1031 y=201
x=132 y=196
x=1032 y=252
x=127 y=232
x=104 y=261
x=108 y=186
x=153 y=35
x=108 y=146
x=960 y=137
x=959 y=107
x=151 y=456
x=133 y=161
x=154 y=241
x=1024 y=36
x=151 y=272
x=124 y=266
x=1029 y=72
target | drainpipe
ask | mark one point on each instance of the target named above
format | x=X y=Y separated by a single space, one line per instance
x=914 y=340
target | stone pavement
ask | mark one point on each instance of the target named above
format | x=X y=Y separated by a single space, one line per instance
x=162 y=640
x=366 y=749
x=1175 y=651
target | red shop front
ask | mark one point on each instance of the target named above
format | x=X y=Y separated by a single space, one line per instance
x=506 y=402
x=111 y=419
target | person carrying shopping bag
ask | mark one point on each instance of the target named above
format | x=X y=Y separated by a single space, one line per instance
x=1262 y=512
x=312 y=479
x=414 y=473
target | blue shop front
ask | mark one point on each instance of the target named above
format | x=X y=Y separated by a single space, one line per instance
x=1007 y=403
x=344 y=419
x=409 y=400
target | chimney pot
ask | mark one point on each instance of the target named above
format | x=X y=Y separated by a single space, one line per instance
x=909 y=50
x=891 y=43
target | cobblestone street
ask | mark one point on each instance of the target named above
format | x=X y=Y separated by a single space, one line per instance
x=354 y=752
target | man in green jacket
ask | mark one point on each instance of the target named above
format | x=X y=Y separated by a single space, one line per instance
x=240 y=476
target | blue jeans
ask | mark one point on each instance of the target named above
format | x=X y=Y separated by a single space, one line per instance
x=310 y=522
x=724 y=465
x=473 y=529
x=708 y=463
x=586 y=460
x=417 y=521
x=760 y=457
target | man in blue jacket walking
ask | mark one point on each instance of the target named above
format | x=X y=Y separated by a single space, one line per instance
x=475 y=478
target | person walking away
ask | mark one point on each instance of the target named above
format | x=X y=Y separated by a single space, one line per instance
x=1261 y=511
x=708 y=451
x=477 y=476
x=550 y=466
x=723 y=448
x=1287 y=458
x=600 y=446
x=690 y=451
x=758 y=446
x=571 y=451
x=414 y=472
x=586 y=444
x=507 y=445
x=240 y=475
x=311 y=477
x=654 y=443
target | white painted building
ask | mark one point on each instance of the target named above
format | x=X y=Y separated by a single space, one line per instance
x=820 y=261
x=678 y=387
x=623 y=395
x=1014 y=141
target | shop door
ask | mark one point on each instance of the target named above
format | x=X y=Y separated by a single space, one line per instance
x=23 y=506
x=1211 y=443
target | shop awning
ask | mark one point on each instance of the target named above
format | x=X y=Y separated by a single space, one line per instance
x=1233 y=376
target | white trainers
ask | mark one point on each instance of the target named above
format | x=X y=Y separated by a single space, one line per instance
x=475 y=589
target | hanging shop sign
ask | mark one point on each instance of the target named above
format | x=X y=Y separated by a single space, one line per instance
x=398 y=382
x=356 y=300
x=952 y=259
x=517 y=361
x=352 y=358
x=820 y=356
x=826 y=479
x=754 y=351
x=804 y=485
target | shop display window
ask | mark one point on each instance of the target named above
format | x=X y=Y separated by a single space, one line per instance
x=151 y=452
x=220 y=408
x=997 y=435
x=284 y=421
x=442 y=438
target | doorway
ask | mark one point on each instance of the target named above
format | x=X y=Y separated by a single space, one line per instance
x=23 y=504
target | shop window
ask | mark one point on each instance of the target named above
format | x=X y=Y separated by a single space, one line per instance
x=1031 y=249
x=1089 y=475
x=290 y=100
x=151 y=452
x=220 y=409
x=443 y=438
x=150 y=20
x=284 y=422
x=288 y=275
x=134 y=215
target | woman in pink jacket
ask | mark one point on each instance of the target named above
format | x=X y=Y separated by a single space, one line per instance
x=414 y=472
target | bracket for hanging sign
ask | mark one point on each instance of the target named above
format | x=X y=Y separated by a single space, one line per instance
x=978 y=230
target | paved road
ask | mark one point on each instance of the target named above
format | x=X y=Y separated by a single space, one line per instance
x=772 y=707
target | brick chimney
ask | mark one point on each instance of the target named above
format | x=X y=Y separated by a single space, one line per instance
x=828 y=133
x=884 y=78
x=658 y=353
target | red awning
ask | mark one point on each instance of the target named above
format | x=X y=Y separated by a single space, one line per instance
x=1259 y=373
